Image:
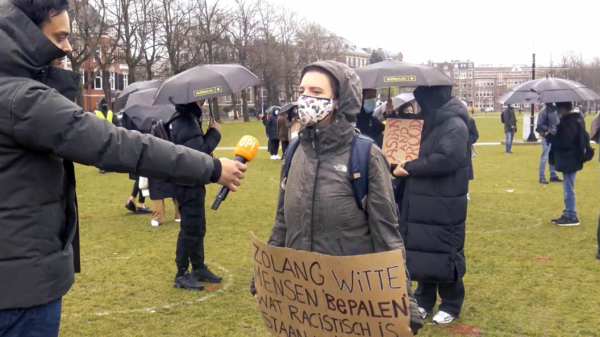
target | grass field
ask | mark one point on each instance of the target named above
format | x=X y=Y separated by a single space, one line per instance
x=525 y=277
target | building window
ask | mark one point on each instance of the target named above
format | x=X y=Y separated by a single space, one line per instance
x=125 y=80
x=456 y=75
x=98 y=81
x=228 y=99
x=249 y=95
x=111 y=80
x=470 y=73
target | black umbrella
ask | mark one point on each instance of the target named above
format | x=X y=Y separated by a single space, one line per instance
x=549 y=90
x=121 y=101
x=289 y=107
x=141 y=112
x=205 y=82
x=400 y=74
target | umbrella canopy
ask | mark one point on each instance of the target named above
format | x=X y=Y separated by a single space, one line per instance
x=205 y=82
x=549 y=90
x=121 y=100
x=288 y=107
x=141 y=112
x=397 y=101
x=400 y=74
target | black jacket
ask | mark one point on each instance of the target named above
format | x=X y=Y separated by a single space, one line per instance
x=370 y=126
x=437 y=181
x=271 y=125
x=41 y=134
x=510 y=120
x=473 y=137
x=567 y=145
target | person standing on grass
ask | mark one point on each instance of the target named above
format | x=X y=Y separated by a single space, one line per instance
x=473 y=137
x=566 y=155
x=283 y=131
x=320 y=212
x=272 y=132
x=434 y=204
x=510 y=127
x=42 y=133
x=547 y=123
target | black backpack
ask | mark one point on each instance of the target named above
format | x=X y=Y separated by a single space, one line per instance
x=160 y=129
x=502 y=117
x=588 y=150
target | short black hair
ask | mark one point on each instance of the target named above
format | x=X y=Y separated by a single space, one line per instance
x=335 y=84
x=40 y=11
x=566 y=105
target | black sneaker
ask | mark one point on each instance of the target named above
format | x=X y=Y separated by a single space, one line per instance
x=554 y=221
x=556 y=180
x=187 y=282
x=143 y=210
x=205 y=275
x=130 y=205
x=102 y=172
x=544 y=181
x=567 y=222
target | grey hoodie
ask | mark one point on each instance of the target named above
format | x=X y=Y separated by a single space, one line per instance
x=316 y=209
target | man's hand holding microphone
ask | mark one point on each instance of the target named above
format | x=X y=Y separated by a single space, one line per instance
x=232 y=172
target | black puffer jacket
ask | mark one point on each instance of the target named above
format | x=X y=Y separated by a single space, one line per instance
x=567 y=146
x=271 y=126
x=434 y=204
x=370 y=126
x=41 y=134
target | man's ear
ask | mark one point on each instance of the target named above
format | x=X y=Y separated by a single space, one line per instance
x=335 y=104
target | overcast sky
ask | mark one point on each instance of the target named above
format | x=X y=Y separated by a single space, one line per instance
x=484 y=31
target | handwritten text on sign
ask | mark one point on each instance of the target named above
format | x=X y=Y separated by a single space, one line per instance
x=303 y=294
x=402 y=139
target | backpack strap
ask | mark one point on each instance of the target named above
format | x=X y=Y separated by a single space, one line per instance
x=360 y=157
x=287 y=159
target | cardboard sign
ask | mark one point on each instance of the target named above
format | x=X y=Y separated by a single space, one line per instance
x=402 y=139
x=304 y=294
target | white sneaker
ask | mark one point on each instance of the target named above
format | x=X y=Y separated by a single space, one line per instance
x=442 y=318
x=277 y=157
x=178 y=220
x=154 y=223
x=274 y=158
x=468 y=197
x=423 y=312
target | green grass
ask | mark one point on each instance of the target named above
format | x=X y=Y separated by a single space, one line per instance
x=525 y=277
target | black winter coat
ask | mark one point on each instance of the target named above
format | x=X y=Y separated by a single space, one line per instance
x=434 y=204
x=473 y=137
x=567 y=146
x=271 y=129
x=370 y=126
x=185 y=130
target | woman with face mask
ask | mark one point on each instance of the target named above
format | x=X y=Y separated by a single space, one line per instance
x=320 y=214
x=365 y=122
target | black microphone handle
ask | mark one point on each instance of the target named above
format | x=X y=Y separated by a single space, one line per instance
x=224 y=191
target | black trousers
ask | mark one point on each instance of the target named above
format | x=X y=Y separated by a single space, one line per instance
x=190 y=243
x=136 y=191
x=452 y=295
x=274 y=146
x=284 y=146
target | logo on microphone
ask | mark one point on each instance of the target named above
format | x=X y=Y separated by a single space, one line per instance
x=247 y=148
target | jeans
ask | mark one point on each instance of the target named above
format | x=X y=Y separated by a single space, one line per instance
x=451 y=293
x=544 y=159
x=509 y=140
x=569 y=194
x=40 y=321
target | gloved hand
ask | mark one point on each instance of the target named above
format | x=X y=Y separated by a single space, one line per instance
x=252 y=288
x=416 y=323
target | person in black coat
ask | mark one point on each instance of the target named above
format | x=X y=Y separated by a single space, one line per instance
x=272 y=132
x=437 y=180
x=365 y=122
x=186 y=130
x=473 y=137
x=566 y=154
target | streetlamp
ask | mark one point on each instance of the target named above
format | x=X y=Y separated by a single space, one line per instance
x=532 y=137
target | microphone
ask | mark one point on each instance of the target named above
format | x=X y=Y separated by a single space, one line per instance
x=244 y=152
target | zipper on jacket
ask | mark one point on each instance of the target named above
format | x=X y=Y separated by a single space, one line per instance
x=312 y=219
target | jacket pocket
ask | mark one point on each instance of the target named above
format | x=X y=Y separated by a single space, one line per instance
x=356 y=245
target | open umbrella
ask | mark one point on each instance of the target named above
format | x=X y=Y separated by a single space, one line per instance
x=397 y=101
x=205 y=82
x=549 y=90
x=140 y=111
x=121 y=100
x=400 y=74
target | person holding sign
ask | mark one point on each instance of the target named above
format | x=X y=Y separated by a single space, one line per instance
x=321 y=213
x=437 y=180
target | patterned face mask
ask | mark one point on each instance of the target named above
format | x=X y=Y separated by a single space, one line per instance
x=312 y=110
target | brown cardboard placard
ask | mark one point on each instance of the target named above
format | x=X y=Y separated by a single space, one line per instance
x=310 y=294
x=402 y=139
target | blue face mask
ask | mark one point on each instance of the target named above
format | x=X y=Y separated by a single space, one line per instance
x=369 y=105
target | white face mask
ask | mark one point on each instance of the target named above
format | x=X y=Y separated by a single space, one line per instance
x=312 y=110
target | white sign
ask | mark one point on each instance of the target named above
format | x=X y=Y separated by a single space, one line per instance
x=527 y=126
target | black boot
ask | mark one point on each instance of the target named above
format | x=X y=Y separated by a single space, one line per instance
x=187 y=281
x=543 y=181
x=205 y=275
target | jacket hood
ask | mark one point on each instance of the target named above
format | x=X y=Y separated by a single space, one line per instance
x=25 y=49
x=453 y=108
x=432 y=98
x=100 y=103
x=350 y=87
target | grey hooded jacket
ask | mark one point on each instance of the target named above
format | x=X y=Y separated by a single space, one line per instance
x=41 y=134
x=316 y=210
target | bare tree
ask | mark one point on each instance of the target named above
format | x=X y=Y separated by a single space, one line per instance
x=287 y=26
x=149 y=32
x=178 y=27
